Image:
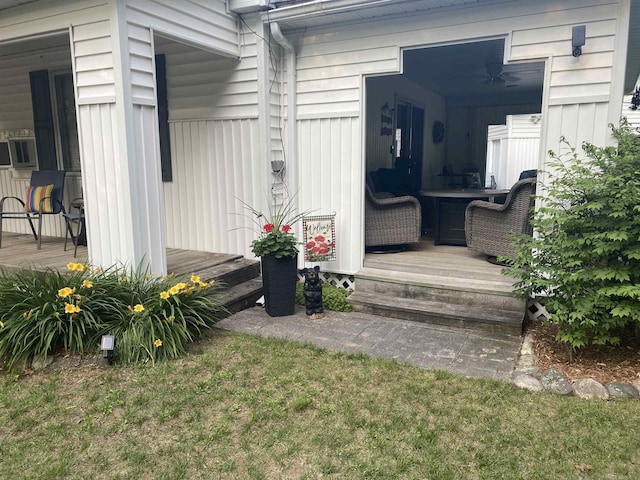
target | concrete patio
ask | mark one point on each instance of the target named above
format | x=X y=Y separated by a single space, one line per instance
x=466 y=352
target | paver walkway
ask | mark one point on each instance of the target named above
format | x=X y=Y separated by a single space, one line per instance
x=466 y=352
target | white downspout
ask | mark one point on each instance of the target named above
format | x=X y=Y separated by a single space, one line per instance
x=292 y=127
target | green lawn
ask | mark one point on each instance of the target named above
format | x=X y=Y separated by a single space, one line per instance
x=248 y=407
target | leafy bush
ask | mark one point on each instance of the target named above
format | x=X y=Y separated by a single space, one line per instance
x=586 y=254
x=152 y=318
x=333 y=298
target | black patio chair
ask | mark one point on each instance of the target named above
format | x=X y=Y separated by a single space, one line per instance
x=44 y=197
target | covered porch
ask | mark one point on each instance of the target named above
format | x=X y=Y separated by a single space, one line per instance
x=239 y=275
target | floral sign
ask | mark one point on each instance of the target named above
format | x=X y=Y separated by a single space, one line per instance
x=319 y=238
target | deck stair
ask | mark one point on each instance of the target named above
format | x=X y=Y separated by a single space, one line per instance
x=240 y=276
x=454 y=288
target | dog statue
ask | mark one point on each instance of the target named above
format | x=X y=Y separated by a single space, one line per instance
x=312 y=292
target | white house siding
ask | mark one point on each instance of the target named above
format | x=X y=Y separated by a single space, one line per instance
x=218 y=147
x=518 y=149
x=213 y=170
x=331 y=151
x=201 y=23
x=332 y=59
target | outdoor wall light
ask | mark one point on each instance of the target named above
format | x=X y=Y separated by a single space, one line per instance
x=108 y=344
x=277 y=166
x=578 y=36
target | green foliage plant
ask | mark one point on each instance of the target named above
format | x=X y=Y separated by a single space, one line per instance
x=152 y=318
x=585 y=255
x=333 y=298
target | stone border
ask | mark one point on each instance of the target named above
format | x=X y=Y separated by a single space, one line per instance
x=529 y=377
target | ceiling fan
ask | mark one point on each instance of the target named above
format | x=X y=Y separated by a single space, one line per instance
x=495 y=75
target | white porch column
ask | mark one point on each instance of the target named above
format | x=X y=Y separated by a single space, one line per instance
x=114 y=74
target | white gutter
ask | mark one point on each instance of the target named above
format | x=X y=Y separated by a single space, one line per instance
x=322 y=7
x=292 y=123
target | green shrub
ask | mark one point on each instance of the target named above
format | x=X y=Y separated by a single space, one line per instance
x=152 y=318
x=333 y=298
x=585 y=256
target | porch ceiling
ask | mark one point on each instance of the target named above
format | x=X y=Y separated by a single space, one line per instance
x=462 y=70
x=54 y=40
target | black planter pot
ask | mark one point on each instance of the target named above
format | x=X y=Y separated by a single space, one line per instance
x=279 y=278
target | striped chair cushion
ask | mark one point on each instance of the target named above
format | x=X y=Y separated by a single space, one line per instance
x=35 y=195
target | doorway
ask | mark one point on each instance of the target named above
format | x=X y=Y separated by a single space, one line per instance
x=409 y=142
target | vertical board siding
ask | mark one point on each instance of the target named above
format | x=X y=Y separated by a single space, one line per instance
x=215 y=165
x=199 y=23
x=331 y=181
x=94 y=74
x=106 y=219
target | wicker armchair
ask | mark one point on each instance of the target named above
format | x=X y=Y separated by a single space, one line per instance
x=391 y=220
x=489 y=227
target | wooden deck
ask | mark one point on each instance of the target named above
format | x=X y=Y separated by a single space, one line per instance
x=440 y=284
x=20 y=252
x=240 y=276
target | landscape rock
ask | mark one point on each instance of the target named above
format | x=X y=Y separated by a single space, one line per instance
x=555 y=382
x=588 y=388
x=531 y=370
x=527 y=345
x=621 y=390
x=528 y=383
x=527 y=360
x=636 y=384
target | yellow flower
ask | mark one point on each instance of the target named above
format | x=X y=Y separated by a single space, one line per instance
x=87 y=283
x=70 y=308
x=180 y=285
x=76 y=267
x=174 y=290
x=171 y=318
x=1 y=325
x=158 y=343
x=138 y=308
x=195 y=278
x=164 y=295
x=123 y=279
x=147 y=277
x=65 y=292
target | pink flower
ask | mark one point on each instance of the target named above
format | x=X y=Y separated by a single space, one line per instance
x=286 y=228
x=319 y=239
x=310 y=244
x=268 y=227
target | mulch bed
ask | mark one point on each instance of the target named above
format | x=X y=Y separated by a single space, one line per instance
x=601 y=363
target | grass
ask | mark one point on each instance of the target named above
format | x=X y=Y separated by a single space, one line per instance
x=247 y=407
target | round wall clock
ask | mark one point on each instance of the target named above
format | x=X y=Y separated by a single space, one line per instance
x=438 y=131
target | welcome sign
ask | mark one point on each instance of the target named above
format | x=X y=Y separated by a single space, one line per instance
x=319 y=238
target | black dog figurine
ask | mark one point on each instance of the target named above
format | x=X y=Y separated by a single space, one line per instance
x=312 y=292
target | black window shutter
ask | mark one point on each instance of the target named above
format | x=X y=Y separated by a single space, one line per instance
x=163 y=118
x=43 y=120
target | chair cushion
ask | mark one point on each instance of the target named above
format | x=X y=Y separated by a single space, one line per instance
x=35 y=195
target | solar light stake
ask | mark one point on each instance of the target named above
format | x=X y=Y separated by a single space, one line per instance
x=107 y=345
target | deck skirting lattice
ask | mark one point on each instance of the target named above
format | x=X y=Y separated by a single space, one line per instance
x=536 y=309
x=340 y=280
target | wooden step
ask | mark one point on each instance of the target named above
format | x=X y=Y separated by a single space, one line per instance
x=232 y=272
x=243 y=295
x=487 y=294
x=440 y=313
